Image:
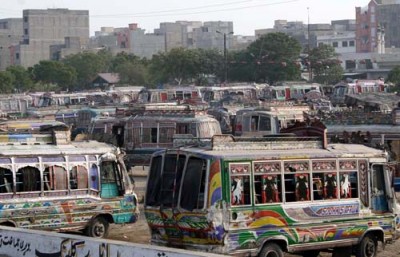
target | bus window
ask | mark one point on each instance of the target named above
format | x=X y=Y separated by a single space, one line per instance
x=302 y=187
x=324 y=185
x=267 y=182
x=171 y=179
x=166 y=135
x=348 y=185
x=154 y=181
x=193 y=186
x=110 y=180
x=78 y=177
x=6 y=181
x=265 y=123
x=297 y=181
x=94 y=177
x=240 y=183
x=55 y=178
x=28 y=179
x=254 y=123
x=149 y=135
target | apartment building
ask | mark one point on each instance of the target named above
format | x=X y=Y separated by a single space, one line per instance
x=377 y=26
x=45 y=28
x=10 y=33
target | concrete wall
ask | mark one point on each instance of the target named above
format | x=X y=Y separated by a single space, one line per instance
x=16 y=242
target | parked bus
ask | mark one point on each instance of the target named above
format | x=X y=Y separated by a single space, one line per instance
x=50 y=183
x=266 y=196
x=267 y=120
x=293 y=91
x=154 y=127
x=342 y=89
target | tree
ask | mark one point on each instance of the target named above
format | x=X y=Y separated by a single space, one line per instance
x=394 y=77
x=325 y=65
x=87 y=65
x=177 y=66
x=54 y=72
x=6 y=82
x=273 y=57
x=131 y=69
x=22 y=78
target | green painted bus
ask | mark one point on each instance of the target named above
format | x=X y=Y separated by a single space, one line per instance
x=267 y=196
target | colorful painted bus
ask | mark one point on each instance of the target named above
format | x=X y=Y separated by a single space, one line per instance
x=50 y=183
x=266 y=196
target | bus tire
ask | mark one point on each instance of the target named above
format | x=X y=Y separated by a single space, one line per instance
x=368 y=247
x=271 y=250
x=97 y=228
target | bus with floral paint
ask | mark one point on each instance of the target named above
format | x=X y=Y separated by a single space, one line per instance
x=267 y=196
x=49 y=183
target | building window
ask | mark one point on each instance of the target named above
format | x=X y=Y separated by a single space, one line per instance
x=17 y=56
x=320 y=44
x=335 y=44
x=25 y=31
x=351 y=43
x=25 y=18
x=344 y=44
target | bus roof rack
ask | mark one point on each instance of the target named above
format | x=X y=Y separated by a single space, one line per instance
x=275 y=142
x=309 y=134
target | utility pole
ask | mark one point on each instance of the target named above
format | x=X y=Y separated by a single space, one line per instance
x=225 y=55
x=308 y=47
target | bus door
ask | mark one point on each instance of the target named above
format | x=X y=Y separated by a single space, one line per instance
x=382 y=192
x=110 y=179
x=191 y=216
x=169 y=191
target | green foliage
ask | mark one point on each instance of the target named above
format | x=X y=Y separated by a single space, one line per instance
x=22 y=78
x=54 y=72
x=273 y=57
x=394 y=77
x=87 y=65
x=6 y=82
x=185 y=66
x=131 y=69
x=325 y=66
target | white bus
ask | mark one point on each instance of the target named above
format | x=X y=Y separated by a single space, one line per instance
x=50 y=183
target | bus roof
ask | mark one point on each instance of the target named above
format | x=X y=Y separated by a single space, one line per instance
x=74 y=148
x=332 y=151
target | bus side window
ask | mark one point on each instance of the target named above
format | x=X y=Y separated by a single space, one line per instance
x=240 y=184
x=78 y=178
x=193 y=186
x=94 y=177
x=348 y=184
x=302 y=187
x=324 y=186
x=28 y=179
x=154 y=182
x=55 y=178
x=267 y=188
x=6 y=181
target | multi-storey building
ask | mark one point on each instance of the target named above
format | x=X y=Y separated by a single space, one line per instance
x=45 y=28
x=10 y=33
x=177 y=34
x=145 y=45
x=378 y=26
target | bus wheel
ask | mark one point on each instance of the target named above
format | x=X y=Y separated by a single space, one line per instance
x=98 y=228
x=367 y=247
x=271 y=250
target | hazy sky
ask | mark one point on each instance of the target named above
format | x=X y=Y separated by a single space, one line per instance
x=247 y=16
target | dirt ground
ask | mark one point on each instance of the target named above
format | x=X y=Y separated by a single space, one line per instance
x=139 y=233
